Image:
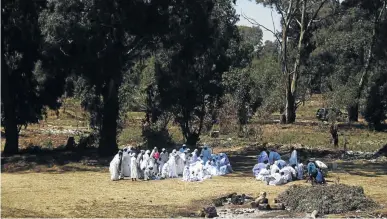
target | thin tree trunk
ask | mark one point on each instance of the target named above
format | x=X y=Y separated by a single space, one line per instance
x=108 y=142
x=10 y=124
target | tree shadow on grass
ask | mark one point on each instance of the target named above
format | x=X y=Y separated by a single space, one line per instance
x=367 y=169
x=55 y=161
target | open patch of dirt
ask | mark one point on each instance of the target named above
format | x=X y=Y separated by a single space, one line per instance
x=330 y=199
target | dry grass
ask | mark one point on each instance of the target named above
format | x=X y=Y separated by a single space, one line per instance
x=90 y=193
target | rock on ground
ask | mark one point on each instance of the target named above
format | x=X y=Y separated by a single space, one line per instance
x=329 y=199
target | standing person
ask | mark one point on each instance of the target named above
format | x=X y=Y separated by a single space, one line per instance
x=273 y=156
x=133 y=167
x=300 y=170
x=139 y=162
x=125 y=163
x=115 y=166
x=172 y=164
x=156 y=154
x=293 y=157
x=163 y=159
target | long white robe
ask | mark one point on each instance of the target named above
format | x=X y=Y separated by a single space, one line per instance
x=165 y=171
x=300 y=171
x=145 y=160
x=273 y=169
x=293 y=158
x=180 y=159
x=126 y=164
x=289 y=172
x=263 y=175
x=163 y=159
x=258 y=167
x=114 y=168
x=277 y=180
x=172 y=165
x=133 y=167
x=186 y=174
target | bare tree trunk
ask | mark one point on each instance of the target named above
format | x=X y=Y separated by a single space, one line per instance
x=10 y=123
x=108 y=144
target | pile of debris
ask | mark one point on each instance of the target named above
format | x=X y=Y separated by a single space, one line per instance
x=330 y=199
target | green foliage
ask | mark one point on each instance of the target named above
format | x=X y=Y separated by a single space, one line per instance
x=375 y=112
x=189 y=73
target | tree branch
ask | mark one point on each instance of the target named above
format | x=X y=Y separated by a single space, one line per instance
x=60 y=48
x=315 y=14
x=254 y=22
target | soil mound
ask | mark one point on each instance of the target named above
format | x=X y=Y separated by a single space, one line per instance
x=329 y=199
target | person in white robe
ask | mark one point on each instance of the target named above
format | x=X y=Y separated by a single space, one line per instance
x=152 y=162
x=277 y=179
x=133 y=167
x=163 y=159
x=180 y=163
x=273 y=169
x=280 y=163
x=125 y=163
x=293 y=158
x=165 y=171
x=300 y=171
x=258 y=167
x=207 y=170
x=194 y=157
x=264 y=174
x=145 y=160
x=289 y=173
x=186 y=174
x=114 y=167
x=139 y=162
x=223 y=165
x=148 y=172
x=172 y=164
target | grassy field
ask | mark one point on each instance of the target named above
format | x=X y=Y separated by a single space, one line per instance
x=74 y=190
x=77 y=190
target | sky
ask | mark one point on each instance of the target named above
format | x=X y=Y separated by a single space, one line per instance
x=260 y=14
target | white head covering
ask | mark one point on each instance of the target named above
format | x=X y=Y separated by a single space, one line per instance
x=163 y=149
x=147 y=151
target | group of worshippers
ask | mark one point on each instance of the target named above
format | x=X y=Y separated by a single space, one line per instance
x=275 y=171
x=148 y=165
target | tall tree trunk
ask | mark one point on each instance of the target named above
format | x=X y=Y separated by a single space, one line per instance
x=108 y=142
x=354 y=110
x=10 y=124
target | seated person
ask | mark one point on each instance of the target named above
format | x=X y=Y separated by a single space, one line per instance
x=258 y=167
x=312 y=171
x=320 y=177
